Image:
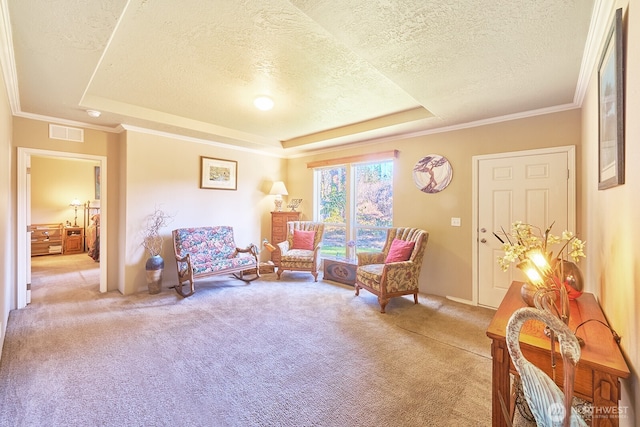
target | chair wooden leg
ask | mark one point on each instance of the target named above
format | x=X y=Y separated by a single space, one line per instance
x=315 y=276
x=415 y=297
x=383 y=303
x=357 y=289
x=179 y=290
x=279 y=273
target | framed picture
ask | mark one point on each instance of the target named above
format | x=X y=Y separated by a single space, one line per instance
x=218 y=174
x=96 y=181
x=611 y=109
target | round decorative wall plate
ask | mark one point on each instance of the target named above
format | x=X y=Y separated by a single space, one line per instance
x=432 y=173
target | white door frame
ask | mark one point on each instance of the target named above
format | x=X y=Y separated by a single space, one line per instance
x=571 y=195
x=24 y=155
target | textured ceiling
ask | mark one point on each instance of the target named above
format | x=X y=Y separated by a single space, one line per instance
x=338 y=71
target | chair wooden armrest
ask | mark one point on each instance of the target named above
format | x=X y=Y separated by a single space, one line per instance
x=184 y=267
x=252 y=249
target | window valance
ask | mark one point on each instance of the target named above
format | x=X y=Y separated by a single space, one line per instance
x=360 y=158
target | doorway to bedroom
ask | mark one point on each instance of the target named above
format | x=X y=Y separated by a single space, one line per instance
x=65 y=200
x=55 y=179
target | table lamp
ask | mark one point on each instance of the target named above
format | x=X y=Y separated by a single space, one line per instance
x=75 y=203
x=278 y=189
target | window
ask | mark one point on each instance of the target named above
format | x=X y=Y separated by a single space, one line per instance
x=373 y=197
x=330 y=203
x=355 y=202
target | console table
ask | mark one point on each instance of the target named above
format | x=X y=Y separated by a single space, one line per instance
x=598 y=372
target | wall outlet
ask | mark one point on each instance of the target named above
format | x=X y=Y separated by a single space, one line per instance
x=455 y=222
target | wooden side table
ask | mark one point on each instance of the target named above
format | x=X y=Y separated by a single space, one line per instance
x=341 y=270
x=598 y=372
x=73 y=240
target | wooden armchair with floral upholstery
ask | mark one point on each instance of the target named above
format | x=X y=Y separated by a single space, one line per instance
x=394 y=271
x=301 y=250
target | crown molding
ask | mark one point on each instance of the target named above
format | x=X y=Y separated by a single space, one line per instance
x=198 y=140
x=7 y=59
x=443 y=129
x=600 y=20
x=57 y=120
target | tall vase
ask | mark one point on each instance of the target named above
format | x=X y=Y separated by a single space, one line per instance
x=573 y=279
x=351 y=253
x=154 y=267
x=528 y=292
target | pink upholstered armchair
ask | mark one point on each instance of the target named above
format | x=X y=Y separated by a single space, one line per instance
x=394 y=271
x=301 y=250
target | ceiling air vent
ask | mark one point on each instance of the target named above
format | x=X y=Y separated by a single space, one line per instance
x=66 y=133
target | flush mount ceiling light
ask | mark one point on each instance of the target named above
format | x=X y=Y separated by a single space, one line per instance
x=94 y=113
x=263 y=103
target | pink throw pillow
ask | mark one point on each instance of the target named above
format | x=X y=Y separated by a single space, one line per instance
x=400 y=251
x=303 y=239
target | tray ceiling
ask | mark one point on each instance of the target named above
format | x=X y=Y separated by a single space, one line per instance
x=338 y=72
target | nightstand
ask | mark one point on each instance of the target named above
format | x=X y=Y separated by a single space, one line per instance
x=73 y=240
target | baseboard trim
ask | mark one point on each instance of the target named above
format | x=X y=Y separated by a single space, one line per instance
x=463 y=301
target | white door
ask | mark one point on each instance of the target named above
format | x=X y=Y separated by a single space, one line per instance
x=530 y=187
x=29 y=233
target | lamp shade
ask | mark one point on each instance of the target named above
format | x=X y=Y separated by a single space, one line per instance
x=75 y=202
x=279 y=189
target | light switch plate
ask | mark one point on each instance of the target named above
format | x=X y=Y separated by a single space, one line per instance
x=455 y=222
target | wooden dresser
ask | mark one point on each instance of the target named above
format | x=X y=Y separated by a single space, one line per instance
x=279 y=230
x=46 y=239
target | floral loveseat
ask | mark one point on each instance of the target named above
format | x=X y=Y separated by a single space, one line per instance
x=211 y=251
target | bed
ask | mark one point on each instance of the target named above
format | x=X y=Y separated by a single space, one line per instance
x=92 y=231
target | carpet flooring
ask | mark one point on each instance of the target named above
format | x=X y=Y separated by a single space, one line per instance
x=287 y=352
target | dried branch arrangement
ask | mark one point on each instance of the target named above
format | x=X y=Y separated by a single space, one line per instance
x=152 y=241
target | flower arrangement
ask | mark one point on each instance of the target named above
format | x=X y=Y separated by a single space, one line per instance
x=532 y=249
x=152 y=241
x=527 y=238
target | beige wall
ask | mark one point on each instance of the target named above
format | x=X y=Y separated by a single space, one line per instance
x=34 y=134
x=145 y=171
x=448 y=258
x=165 y=172
x=7 y=226
x=30 y=133
x=55 y=183
x=612 y=226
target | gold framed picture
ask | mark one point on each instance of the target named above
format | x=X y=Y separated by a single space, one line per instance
x=218 y=174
